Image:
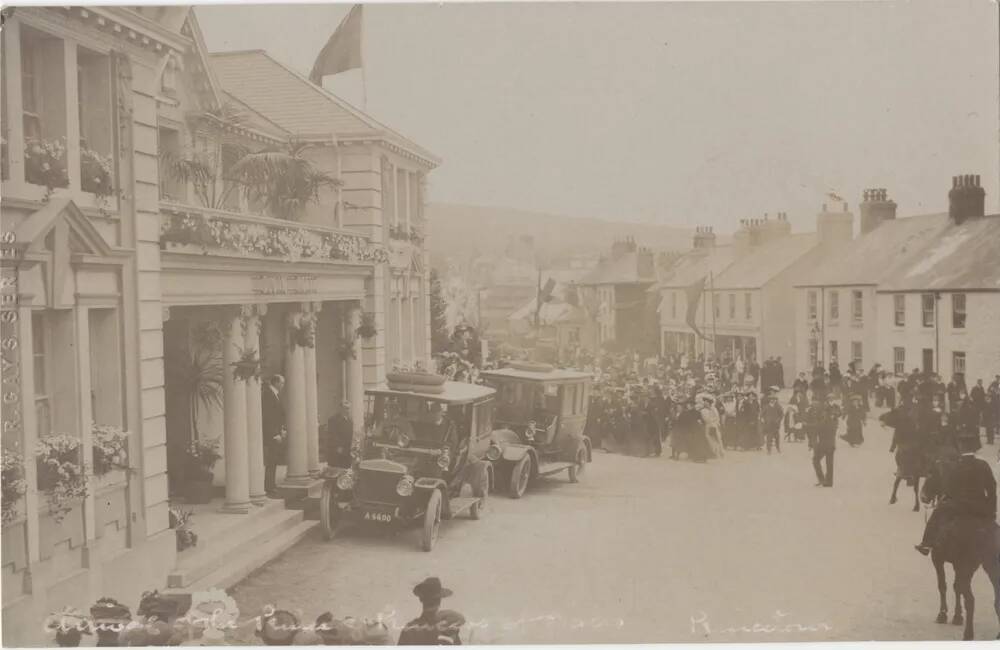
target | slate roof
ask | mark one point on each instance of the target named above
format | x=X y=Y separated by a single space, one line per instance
x=878 y=254
x=958 y=257
x=762 y=263
x=696 y=264
x=253 y=119
x=623 y=270
x=294 y=103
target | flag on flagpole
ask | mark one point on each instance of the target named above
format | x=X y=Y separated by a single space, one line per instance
x=343 y=50
x=693 y=298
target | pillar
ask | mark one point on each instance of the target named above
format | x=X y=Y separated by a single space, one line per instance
x=355 y=388
x=234 y=410
x=255 y=436
x=295 y=402
x=312 y=412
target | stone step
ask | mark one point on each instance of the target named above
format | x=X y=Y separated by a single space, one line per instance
x=236 y=541
x=242 y=565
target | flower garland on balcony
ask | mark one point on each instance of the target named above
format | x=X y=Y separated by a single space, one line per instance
x=289 y=243
x=14 y=485
x=61 y=474
x=110 y=448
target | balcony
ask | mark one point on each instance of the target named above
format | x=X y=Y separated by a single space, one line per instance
x=206 y=231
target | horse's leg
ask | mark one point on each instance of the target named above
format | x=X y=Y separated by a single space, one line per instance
x=895 y=486
x=957 y=619
x=991 y=565
x=916 y=494
x=942 y=583
x=970 y=600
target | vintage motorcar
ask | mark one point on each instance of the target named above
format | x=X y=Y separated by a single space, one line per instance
x=425 y=440
x=541 y=415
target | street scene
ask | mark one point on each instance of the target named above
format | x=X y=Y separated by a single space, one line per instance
x=495 y=323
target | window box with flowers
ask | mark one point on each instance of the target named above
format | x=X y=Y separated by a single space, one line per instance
x=61 y=474
x=200 y=458
x=45 y=163
x=14 y=486
x=96 y=174
x=110 y=454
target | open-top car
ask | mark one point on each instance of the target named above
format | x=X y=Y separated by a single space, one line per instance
x=425 y=440
x=541 y=415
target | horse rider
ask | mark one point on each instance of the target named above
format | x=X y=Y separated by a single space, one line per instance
x=969 y=491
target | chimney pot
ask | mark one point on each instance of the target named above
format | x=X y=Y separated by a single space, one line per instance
x=977 y=180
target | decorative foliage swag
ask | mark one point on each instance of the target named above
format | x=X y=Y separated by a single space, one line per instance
x=289 y=243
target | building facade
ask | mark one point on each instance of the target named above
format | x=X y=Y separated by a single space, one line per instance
x=127 y=277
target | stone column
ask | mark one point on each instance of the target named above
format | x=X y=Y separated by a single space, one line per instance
x=355 y=388
x=295 y=402
x=255 y=436
x=234 y=409
x=312 y=412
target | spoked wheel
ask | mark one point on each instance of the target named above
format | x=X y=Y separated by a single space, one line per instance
x=432 y=521
x=329 y=513
x=579 y=465
x=519 y=477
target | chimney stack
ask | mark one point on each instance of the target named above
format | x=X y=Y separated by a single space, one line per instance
x=876 y=207
x=704 y=237
x=834 y=229
x=966 y=199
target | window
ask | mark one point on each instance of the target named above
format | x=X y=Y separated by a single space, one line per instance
x=899 y=309
x=107 y=399
x=43 y=106
x=93 y=73
x=402 y=214
x=732 y=306
x=856 y=354
x=927 y=309
x=748 y=306
x=169 y=146
x=673 y=304
x=811 y=306
x=834 y=305
x=958 y=310
x=716 y=309
x=39 y=347
x=834 y=349
x=899 y=360
x=857 y=306
x=958 y=363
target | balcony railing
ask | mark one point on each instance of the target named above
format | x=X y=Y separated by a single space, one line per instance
x=191 y=228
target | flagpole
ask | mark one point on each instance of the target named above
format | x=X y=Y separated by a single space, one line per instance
x=715 y=336
x=364 y=77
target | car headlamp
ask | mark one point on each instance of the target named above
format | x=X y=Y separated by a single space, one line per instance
x=444 y=460
x=529 y=431
x=405 y=486
x=402 y=440
x=346 y=480
x=494 y=452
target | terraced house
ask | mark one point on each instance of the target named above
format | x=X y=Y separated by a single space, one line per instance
x=176 y=228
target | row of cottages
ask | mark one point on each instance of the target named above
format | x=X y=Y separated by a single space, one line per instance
x=920 y=292
x=144 y=293
x=748 y=288
x=614 y=293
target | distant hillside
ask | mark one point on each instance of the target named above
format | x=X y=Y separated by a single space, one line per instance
x=469 y=230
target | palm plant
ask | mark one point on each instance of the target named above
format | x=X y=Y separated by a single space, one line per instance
x=281 y=179
x=200 y=373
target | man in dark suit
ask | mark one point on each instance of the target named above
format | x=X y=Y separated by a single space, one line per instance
x=969 y=491
x=340 y=437
x=828 y=417
x=273 y=421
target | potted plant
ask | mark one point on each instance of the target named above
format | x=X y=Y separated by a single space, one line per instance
x=110 y=448
x=366 y=329
x=180 y=521
x=201 y=458
x=61 y=474
x=45 y=163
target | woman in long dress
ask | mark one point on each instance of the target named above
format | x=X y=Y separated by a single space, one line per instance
x=855 y=416
x=713 y=426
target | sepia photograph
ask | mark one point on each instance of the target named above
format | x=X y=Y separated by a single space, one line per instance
x=500 y=323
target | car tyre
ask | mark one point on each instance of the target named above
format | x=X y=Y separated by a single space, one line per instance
x=519 y=477
x=432 y=521
x=329 y=513
x=579 y=465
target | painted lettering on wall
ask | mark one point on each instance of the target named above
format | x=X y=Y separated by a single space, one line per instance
x=270 y=285
x=10 y=360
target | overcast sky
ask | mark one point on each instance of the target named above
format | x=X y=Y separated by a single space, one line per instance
x=674 y=113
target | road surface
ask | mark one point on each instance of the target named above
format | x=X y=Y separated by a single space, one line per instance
x=652 y=550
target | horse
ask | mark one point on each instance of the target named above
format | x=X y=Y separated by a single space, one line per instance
x=967 y=545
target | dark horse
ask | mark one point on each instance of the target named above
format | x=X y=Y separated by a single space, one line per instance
x=966 y=544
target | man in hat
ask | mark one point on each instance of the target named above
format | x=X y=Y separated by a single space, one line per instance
x=770 y=420
x=273 y=425
x=970 y=492
x=434 y=626
x=828 y=417
x=340 y=437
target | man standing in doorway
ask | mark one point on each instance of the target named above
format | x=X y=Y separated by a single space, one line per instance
x=340 y=437
x=273 y=425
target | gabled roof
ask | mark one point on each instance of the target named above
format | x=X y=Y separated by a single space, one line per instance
x=695 y=265
x=296 y=104
x=962 y=257
x=251 y=118
x=620 y=270
x=876 y=255
x=762 y=263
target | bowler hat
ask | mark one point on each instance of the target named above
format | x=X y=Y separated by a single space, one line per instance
x=431 y=588
x=279 y=628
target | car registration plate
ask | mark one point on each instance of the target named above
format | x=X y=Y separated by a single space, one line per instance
x=379 y=516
